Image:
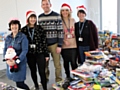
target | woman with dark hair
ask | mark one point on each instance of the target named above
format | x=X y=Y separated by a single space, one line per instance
x=19 y=43
x=86 y=34
x=37 y=53
x=69 y=48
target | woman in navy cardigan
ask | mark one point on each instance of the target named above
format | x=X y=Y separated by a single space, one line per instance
x=86 y=34
x=38 y=53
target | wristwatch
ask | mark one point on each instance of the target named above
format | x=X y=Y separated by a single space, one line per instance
x=17 y=61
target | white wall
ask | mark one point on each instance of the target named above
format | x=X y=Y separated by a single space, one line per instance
x=109 y=15
x=94 y=11
x=74 y=4
x=7 y=10
x=18 y=8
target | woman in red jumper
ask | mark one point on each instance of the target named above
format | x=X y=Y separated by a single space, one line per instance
x=69 y=48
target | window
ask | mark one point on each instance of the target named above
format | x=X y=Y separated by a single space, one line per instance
x=109 y=15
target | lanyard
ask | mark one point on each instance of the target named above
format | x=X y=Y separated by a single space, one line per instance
x=80 y=30
x=68 y=28
x=13 y=41
x=31 y=34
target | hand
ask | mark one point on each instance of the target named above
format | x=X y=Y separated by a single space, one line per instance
x=10 y=62
x=58 y=50
x=47 y=58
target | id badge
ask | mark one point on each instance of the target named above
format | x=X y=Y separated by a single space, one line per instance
x=80 y=39
x=69 y=36
x=32 y=46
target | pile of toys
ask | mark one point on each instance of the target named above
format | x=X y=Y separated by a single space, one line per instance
x=101 y=71
x=96 y=57
x=104 y=39
x=108 y=40
x=4 y=86
x=103 y=75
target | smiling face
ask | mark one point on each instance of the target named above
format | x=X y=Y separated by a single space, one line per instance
x=81 y=15
x=65 y=13
x=14 y=25
x=32 y=20
x=14 y=28
x=45 y=4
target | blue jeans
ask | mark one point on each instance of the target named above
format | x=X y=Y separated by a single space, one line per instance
x=83 y=49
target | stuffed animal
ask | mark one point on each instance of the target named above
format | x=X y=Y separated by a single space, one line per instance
x=11 y=55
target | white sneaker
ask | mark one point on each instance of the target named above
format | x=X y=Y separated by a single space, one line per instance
x=39 y=85
x=36 y=88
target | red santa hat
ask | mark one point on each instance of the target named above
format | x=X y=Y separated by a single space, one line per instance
x=82 y=7
x=13 y=19
x=66 y=6
x=29 y=13
x=10 y=48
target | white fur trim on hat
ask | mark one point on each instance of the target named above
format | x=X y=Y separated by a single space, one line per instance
x=82 y=7
x=28 y=15
x=65 y=7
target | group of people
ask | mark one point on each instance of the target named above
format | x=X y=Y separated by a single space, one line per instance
x=56 y=34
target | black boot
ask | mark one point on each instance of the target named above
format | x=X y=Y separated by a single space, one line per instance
x=12 y=69
x=16 y=69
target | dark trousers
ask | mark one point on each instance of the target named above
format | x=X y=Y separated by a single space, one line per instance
x=82 y=49
x=37 y=61
x=69 y=57
x=22 y=85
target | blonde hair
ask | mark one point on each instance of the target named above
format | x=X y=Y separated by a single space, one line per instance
x=69 y=15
